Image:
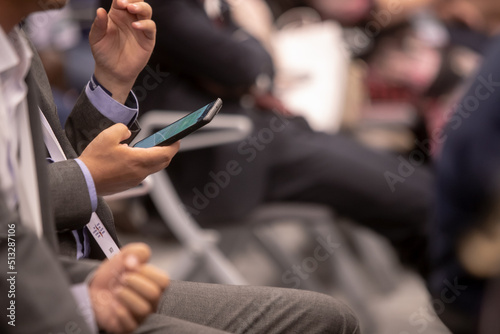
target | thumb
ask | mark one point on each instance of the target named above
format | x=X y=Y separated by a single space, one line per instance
x=131 y=258
x=135 y=254
x=99 y=27
x=116 y=133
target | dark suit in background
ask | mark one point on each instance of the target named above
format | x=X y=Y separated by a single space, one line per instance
x=467 y=188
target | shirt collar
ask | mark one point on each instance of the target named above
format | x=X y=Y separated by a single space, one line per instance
x=15 y=50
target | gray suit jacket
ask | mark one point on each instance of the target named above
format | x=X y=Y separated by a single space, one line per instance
x=43 y=301
x=68 y=189
x=41 y=297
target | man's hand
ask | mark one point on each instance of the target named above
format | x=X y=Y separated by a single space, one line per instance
x=125 y=290
x=117 y=167
x=122 y=41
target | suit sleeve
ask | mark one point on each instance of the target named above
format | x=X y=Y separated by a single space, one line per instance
x=68 y=190
x=69 y=195
x=85 y=122
x=189 y=42
x=41 y=293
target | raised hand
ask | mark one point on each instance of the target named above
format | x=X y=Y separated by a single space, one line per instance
x=121 y=42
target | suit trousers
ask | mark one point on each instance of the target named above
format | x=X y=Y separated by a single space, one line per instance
x=189 y=307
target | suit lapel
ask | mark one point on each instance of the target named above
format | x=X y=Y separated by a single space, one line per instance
x=41 y=168
x=39 y=83
x=48 y=106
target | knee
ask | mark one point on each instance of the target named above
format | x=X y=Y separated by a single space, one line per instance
x=336 y=315
x=321 y=313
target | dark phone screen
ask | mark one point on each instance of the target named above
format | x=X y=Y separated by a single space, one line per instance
x=174 y=128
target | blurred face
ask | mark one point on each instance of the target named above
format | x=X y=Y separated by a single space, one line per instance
x=409 y=63
x=49 y=4
x=346 y=12
x=13 y=11
x=482 y=15
x=488 y=7
x=29 y=6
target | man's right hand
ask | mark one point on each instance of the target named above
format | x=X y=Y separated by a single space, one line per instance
x=125 y=289
x=117 y=167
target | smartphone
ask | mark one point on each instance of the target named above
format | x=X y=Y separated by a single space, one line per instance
x=182 y=127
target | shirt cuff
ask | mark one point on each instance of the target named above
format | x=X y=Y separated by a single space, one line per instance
x=90 y=184
x=82 y=297
x=101 y=99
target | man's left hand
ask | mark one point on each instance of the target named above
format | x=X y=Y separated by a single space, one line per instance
x=122 y=41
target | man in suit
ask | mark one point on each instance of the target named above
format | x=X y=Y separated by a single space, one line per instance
x=124 y=290
x=38 y=283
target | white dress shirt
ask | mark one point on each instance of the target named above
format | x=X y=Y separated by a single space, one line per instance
x=18 y=178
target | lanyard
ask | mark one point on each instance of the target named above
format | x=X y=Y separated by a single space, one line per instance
x=95 y=226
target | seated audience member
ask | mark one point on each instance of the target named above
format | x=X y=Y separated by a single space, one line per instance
x=208 y=56
x=346 y=13
x=467 y=190
x=122 y=292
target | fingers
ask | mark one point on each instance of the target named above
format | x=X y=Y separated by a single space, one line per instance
x=159 y=157
x=143 y=12
x=135 y=254
x=144 y=287
x=130 y=295
x=142 y=9
x=99 y=27
x=156 y=275
x=124 y=321
x=148 y=27
x=155 y=158
x=120 y=4
x=141 y=290
x=176 y=146
x=137 y=7
x=148 y=283
x=134 y=303
x=116 y=134
x=169 y=150
x=131 y=257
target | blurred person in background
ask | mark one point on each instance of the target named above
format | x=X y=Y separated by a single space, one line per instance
x=433 y=77
x=357 y=12
x=61 y=34
x=207 y=56
x=464 y=233
x=345 y=12
x=64 y=49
